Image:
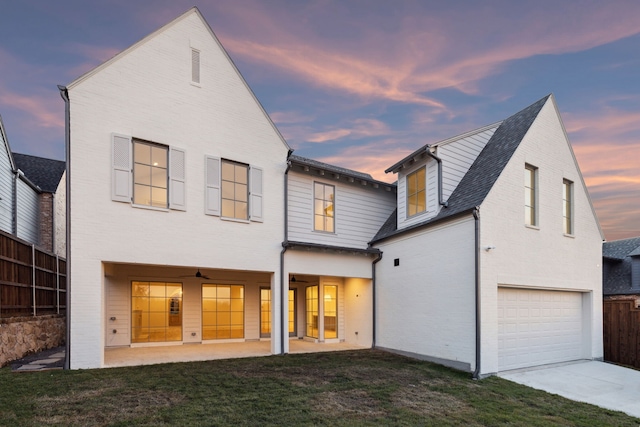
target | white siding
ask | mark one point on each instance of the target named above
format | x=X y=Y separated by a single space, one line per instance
x=458 y=155
x=360 y=211
x=6 y=188
x=426 y=305
x=147 y=92
x=59 y=217
x=542 y=257
x=27 y=212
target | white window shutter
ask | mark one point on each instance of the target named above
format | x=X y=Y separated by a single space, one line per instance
x=255 y=191
x=212 y=186
x=177 y=179
x=120 y=168
x=195 y=66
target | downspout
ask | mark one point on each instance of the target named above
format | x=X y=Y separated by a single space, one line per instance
x=14 y=205
x=284 y=249
x=476 y=217
x=439 y=160
x=373 y=293
x=64 y=93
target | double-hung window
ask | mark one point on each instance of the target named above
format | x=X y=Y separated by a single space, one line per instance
x=147 y=174
x=416 y=192
x=530 y=196
x=323 y=207
x=233 y=190
x=567 y=208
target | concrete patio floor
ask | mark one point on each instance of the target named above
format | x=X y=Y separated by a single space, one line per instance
x=127 y=356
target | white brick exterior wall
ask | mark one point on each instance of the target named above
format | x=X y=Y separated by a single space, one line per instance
x=146 y=92
x=542 y=257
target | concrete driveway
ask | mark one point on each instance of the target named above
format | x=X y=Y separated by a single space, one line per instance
x=598 y=383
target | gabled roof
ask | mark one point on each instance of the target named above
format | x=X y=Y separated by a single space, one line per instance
x=311 y=166
x=618 y=257
x=483 y=173
x=45 y=173
x=196 y=11
x=620 y=249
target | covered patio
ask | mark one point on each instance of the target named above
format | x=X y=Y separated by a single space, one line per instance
x=133 y=356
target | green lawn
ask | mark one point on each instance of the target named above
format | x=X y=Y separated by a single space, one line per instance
x=366 y=387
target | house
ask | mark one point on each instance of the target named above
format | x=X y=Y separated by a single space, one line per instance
x=621 y=269
x=203 y=228
x=28 y=186
x=48 y=177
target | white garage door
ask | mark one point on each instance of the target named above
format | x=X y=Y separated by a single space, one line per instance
x=538 y=327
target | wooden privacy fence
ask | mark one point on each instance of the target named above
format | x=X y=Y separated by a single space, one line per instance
x=622 y=332
x=33 y=282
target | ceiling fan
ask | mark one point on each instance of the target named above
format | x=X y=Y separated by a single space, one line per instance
x=197 y=275
x=294 y=280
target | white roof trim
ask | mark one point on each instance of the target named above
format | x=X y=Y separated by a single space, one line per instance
x=3 y=135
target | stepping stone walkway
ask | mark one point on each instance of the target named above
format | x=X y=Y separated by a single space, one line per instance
x=43 y=361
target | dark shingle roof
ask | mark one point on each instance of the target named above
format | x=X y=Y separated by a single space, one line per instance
x=45 y=173
x=485 y=170
x=617 y=262
x=620 y=249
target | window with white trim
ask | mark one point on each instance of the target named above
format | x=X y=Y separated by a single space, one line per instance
x=146 y=173
x=233 y=190
x=324 y=207
x=567 y=206
x=195 y=66
x=530 y=195
x=416 y=192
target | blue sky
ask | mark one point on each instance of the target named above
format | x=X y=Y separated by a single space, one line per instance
x=363 y=83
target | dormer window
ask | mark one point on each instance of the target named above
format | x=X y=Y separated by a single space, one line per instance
x=416 y=192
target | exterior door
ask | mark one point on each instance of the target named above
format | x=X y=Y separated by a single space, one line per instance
x=265 y=312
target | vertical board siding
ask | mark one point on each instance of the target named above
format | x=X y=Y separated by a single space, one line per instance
x=6 y=189
x=27 y=213
x=360 y=211
x=622 y=332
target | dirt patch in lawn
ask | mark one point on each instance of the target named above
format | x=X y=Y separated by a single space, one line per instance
x=423 y=401
x=107 y=402
x=348 y=403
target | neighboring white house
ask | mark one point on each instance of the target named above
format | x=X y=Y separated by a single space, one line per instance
x=29 y=186
x=192 y=223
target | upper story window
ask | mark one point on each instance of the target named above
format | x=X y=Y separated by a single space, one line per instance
x=567 y=209
x=195 y=66
x=530 y=195
x=416 y=192
x=150 y=174
x=235 y=190
x=323 y=210
x=147 y=174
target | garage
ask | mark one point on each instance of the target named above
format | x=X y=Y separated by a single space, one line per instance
x=537 y=327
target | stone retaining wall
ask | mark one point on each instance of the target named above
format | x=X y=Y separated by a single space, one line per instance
x=20 y=336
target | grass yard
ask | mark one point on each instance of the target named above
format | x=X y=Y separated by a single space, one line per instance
x=366 y=387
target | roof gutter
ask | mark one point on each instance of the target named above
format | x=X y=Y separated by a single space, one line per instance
x=427 y=150
x=64 y=93
x=476 y=217
x=284 y=249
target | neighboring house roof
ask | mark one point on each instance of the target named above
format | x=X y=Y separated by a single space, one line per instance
x=45 y=173
x=617 y=256
x=483 y=173
x=338 y=171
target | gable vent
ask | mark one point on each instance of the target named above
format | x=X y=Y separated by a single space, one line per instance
x=195 y=66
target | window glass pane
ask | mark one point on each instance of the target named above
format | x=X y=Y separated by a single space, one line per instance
x=318 y=222
x=411 y=184
x=159 y=157
x=159 y=197
x=237 y=305
x=228 y=171
x=528 y=177
x=228 y=208
x=237 y=292
x=421 y=204
x=142 y=174
x=318 y=206
x=227 y=190
x=140 y=289
x=328 y=225
x=237 y=318
x=318 y=191
x=224 y=319
x=241 y=210
x=241 y=174
x=156 y=289
x=141 y=153
x=159 y=177
x=420 y=178
x=241 y=192
x=157 y=304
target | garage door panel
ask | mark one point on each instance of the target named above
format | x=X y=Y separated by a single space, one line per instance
x=538 y=327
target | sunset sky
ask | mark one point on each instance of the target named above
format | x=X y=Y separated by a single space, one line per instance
x=361 y=84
